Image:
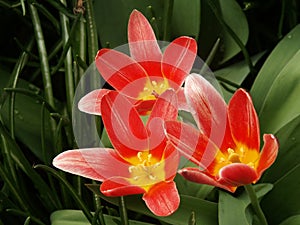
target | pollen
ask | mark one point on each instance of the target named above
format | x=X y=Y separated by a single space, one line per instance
x=148 y=171
x=153 y=88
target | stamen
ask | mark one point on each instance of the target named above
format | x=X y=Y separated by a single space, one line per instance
x=156 y=165
x=155 y=93
x=149 y=157
x=154 y=83
x=139 y=155
x=152 y=177
x=131 y=168
x=222 y=159
x=146 y=89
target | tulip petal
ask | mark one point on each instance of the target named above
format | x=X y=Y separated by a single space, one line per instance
x=201 y=177
x=209 y=108
x=119 y=186
x=90 y=103
x=142 y=41
x=171 y=161
x=191 y=143
x=268 y=153
x=165 y=108
x=123 y=125
x=94 y=163
x=182 y=103
x=237 y=174
x=121 y=72
x=178 y=59
x=144 y=107
x=243 y=120
x=162 y=199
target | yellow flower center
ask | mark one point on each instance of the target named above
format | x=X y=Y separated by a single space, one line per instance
x=146 y=171
x=241 y=154
x=153 y=89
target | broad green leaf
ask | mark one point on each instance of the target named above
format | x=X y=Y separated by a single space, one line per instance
x=193 y=189
x=235 y=73
x=260 y=189
x=211 y=29
x=28 y=120
x=293 y=220
x=284 y=174
x=205 y=211
x=112 y=18
x=76 y=217
x=276 y=89
x=186 y=18
x=231 y=210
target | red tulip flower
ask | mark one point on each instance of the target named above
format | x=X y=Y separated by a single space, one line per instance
x=147 y=73
x=226 y=145
x=142 y=161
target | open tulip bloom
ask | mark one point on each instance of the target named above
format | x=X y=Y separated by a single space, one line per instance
x=226 y=145
x=142 y=161
x=147 y=73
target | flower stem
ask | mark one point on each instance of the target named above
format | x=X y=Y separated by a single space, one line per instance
x=255 y=204
x=123 y=211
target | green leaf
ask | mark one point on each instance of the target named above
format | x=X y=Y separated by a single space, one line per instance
x=76 y=217
x=276 y=89
x=186 y=18
x=231 y=210
x=235 y=73
x=211 y=29
x=193 y=189
x=228 y=204
x=284 y=174
x=49 y=199
x=112 y=18
x=205 y=211
x=28 y=121
x=293 y=220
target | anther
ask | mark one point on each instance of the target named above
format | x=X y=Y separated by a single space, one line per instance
x=154 y=83
x=152 y=177
x=139 y=155
x=149 y=157
x=130 y=168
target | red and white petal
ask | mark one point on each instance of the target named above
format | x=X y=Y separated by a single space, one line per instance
x=178 y=59
x=94 y=163
x=182 y=103
x=171 y=161
x=165 y=108
x=201 y=177
x=123 y=124
x=121 y=72
x=144 y=107
x=119 y=186
x=237 y=174
x=91 y=102
x=162 y=199
x=268 y=153
x=243 y=120
x=210 y=110
x=191 y=143
x=142 y=41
